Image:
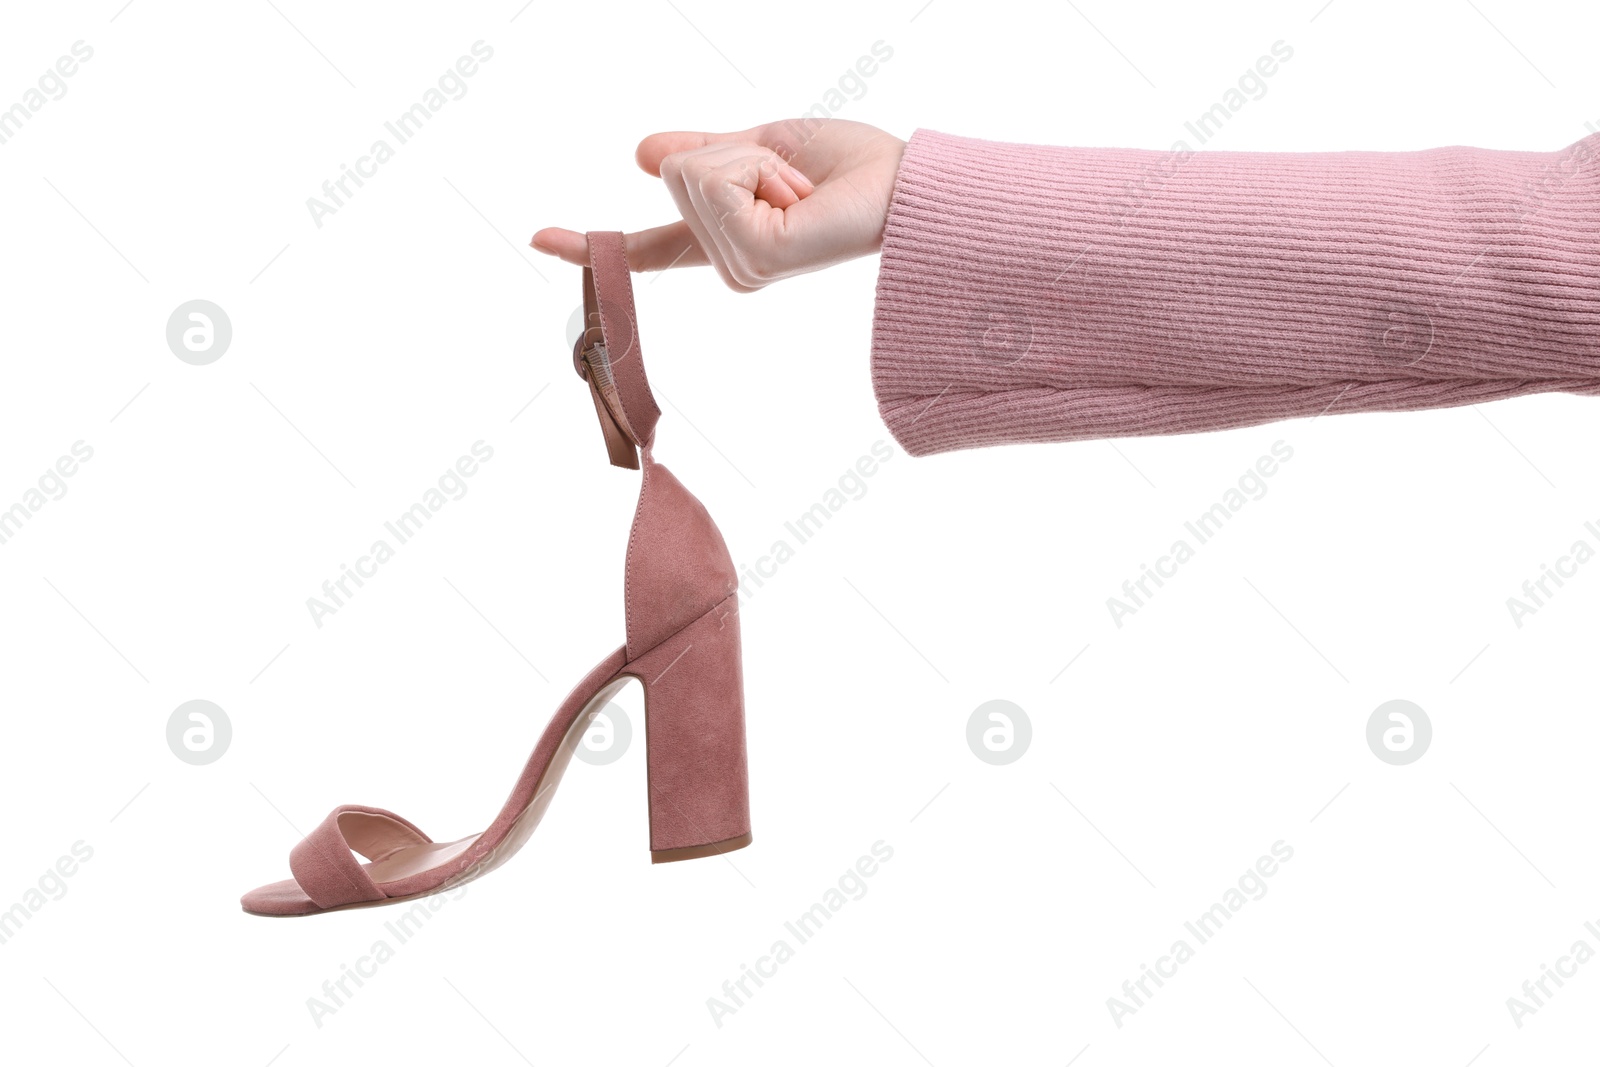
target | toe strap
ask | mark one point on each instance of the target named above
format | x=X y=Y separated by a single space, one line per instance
x=325 y=869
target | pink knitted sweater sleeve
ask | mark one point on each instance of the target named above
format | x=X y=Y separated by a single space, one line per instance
x=1030 y=293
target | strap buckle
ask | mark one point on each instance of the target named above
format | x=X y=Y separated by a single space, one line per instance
x=622 y=399
x=593 y=365
x=587 y=355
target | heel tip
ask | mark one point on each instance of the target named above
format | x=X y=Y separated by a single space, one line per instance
x=694 y=852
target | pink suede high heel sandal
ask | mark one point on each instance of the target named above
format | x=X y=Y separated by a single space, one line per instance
x=682 y=646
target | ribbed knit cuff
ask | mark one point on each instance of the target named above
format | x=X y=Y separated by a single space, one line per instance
x=1033 y=293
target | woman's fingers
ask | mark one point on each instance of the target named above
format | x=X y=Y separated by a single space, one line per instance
x=653 y=149
x=569 y=245
x=735 y=195
x=730 y=188
x=723 y=184
x=786 y=138
x=703 y=223
x=661 y=247
x=784 y=187
x=672 y=245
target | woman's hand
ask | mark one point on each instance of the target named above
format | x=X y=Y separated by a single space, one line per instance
x=763 y=204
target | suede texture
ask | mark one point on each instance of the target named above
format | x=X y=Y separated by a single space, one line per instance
x=678 y=567
x=683 y=645
x=337 y=880
x=627 y=409
x=324 y=864
x=694 y=724
x=326 y=874
x=681 y=616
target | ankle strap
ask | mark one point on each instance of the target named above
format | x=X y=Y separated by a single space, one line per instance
x=608 y=356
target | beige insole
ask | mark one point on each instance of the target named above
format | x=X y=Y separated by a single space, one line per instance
x=418 y=858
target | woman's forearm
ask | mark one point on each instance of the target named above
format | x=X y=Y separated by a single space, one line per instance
x=1036 y=293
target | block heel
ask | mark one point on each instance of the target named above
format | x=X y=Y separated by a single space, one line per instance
x=699 y=791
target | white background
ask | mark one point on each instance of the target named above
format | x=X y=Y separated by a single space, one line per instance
x=370 y=353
